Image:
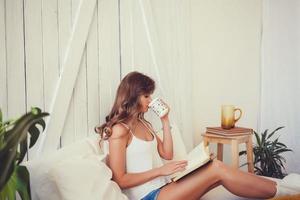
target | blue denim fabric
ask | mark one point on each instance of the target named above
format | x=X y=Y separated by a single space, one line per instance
x=152 y=195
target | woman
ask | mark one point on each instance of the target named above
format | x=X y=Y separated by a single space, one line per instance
x=134 y=149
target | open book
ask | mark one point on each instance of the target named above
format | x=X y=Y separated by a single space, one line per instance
x=196 y=158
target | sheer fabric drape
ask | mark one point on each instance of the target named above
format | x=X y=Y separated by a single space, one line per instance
x=280 y=75
x=155 y=41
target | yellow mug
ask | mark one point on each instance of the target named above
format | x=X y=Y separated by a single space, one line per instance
x=228 y=118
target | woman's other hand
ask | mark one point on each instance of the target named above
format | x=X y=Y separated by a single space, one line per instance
x=166 y=116
x=172 y=167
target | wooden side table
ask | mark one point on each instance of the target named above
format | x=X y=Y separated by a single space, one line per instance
x=234 y=141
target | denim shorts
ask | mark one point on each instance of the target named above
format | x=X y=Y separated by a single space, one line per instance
x=152 y=195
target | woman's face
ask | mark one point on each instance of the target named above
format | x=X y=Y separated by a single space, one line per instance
x=144 y=102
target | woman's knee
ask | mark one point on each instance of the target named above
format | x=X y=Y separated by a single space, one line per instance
x=219 y=167
x=217 y=164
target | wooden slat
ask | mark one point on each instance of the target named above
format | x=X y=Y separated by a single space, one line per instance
x=34 y=53
x=49 y=57
x=68 y=132
x=15 y=58
x=92 y=74
x=143 y=61
x=128 y=41
x=3 y=85
x=34 y=58
x=70 y=70
x=65 y=27
x=109 y=57
x=80 y=95
x=80 y=101
x=50 y=49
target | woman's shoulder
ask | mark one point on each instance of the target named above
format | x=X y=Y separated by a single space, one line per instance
x=119 y=130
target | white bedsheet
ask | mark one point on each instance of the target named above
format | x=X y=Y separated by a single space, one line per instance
x=78 y=172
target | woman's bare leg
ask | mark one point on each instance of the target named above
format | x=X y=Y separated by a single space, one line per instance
x=200 y=181
x=212 y=187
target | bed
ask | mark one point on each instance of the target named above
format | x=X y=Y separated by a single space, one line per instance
x=78 y=171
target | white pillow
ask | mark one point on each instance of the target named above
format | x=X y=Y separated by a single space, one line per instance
x=179 y=150
x=41 y=186
x=85 y=178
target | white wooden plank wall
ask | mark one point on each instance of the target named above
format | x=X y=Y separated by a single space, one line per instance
x=109 y=57
x=3 y=80
x=34 y=36
x=16 y=84
x=32 y=61
x=65 y=28
x=51 y=59
x=71 y=67
x=34 y=57
x=92 y=70
x=34 y=53
x=136 y=54
x=80 y=91
x=127 y=19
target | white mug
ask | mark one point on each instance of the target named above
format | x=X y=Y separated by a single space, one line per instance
x=158 y=107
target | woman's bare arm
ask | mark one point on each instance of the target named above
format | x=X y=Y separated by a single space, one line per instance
x=117 y=162
x=165 y=147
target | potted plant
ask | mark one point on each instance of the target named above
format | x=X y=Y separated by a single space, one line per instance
x=13 y=147
x=268 y=159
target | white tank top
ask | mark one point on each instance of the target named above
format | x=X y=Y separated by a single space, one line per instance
x=142 y=156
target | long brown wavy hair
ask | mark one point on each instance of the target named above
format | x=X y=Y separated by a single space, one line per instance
x=126 y=104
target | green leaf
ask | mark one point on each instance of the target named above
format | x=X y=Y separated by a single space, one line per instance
x=13 y=137
x=6 y=125
x=243 y=165
x=23 y=151
x=278 y=151
x=7 y=166
x=242 y=153
x=34 y=133
x=23 y=185
x=258 y=170
x=1 y=116
x=281 y=144
x=263 y=137
x=267 y=154
x=35 y=110
x=257 y=138
x=13 y=148
x=273 y=132
x=19 y=181
x=275 y=141
x=42 y=123
x=19 y=131
x=8 y=191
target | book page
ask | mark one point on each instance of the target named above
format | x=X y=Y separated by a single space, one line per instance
x=196 y=158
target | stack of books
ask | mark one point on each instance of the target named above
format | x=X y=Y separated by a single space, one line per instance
x=236 y=131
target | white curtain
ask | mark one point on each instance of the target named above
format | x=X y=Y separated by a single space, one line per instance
x=155 y=40
x=280 y=103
